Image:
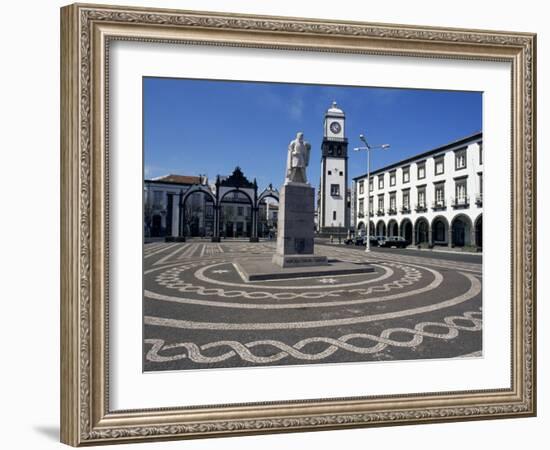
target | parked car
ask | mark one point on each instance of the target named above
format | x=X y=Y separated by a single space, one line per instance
x=349 y=241
x=394 y=241
x=374 y=240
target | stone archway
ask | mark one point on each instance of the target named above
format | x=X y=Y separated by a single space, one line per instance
x=267 y=213
x=393 y=229
x=461 y=231
x=371 y=228
x=406 y=230
x=235 y=220
x=380 y=228
x=440 y=231
x=478 y=225
x=197 y=214
x=421 y=231
x=197 y=218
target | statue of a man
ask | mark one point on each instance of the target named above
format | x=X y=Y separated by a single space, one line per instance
x=297 y=160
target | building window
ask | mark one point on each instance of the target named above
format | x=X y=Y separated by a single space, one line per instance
x=440 y=195
x=361 y=187
x=406 y=175
x=333 y=215
x=421 y=171
x=240 y=211
x=371 y=205
x=370 y=185
x=393 y=206
x=335 y=190
x=380 y=203
x=460 y=159
x=406 y=200
x=380 y=181
x=461 y=193
x=392 y=178
x=439 y=165
x=422 y=198
x=341 y=173
x=361 y=207
x=330 y=172
x=157 y=199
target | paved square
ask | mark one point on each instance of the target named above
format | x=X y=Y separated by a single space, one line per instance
x=199 y=313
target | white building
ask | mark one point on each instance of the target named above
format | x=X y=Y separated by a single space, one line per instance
x=433 y=198
x=334 y=205
x=161 y=205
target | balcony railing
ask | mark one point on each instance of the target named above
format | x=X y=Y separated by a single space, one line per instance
x=461 y=202
x=380 y=212
x=392 y=211
x=361 y=215
x=420 y=207
x=405 y=209
x=438 y=205
x=479 y=199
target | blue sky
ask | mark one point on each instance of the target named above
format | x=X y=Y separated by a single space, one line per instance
x=208 y=127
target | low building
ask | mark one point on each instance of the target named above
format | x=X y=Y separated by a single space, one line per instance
x=433 y=198
x=180 y=206
x=160 y=203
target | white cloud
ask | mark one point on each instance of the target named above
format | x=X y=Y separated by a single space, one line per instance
x=296 y=108
x=293 y=105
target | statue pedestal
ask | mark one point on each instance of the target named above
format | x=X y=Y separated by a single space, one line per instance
x=295 y=227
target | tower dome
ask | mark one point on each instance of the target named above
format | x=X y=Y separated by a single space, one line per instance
x=335 y=110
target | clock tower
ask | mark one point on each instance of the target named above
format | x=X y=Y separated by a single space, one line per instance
x=334 y=205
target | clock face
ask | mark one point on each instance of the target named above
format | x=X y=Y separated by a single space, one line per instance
x=335 y=127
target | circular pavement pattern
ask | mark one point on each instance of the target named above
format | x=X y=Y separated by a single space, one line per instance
x=200 y=313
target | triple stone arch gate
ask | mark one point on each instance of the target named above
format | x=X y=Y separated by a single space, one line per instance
x=220 y=221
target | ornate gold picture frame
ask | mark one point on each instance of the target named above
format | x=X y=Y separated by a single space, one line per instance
x=87 y=32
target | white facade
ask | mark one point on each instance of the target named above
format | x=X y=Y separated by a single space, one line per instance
x=334 y=191
x=333 y=204
x=161 y=206
x=440 y=202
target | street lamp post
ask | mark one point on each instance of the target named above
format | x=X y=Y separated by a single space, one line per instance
x=367 y=148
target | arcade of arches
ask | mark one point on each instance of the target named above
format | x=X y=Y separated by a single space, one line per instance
x=461 y=232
